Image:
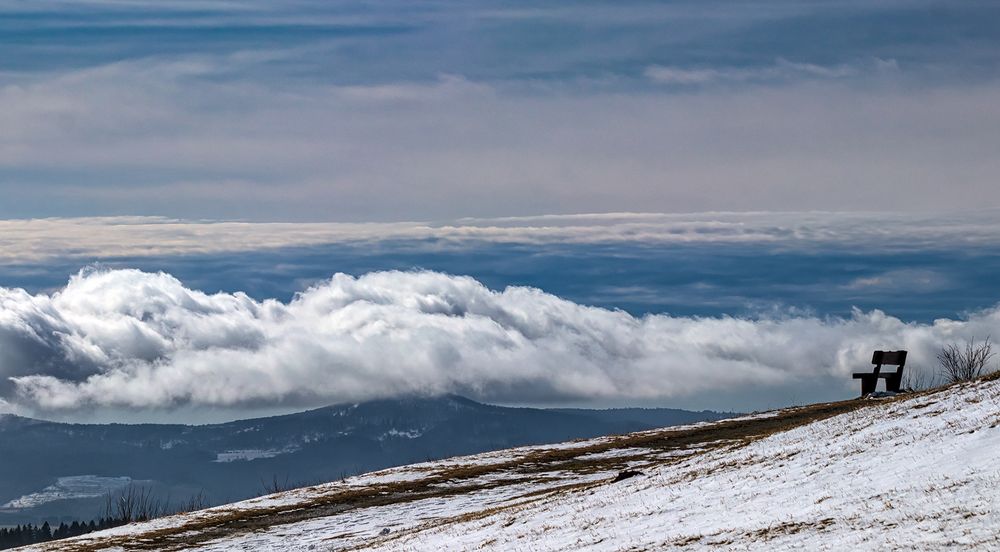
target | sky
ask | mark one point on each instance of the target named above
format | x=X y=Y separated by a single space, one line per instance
x=718 y=205
x=387 y=111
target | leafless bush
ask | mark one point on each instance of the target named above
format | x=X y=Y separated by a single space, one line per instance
x=276 y=485
x=194 y=503
x=918 y=380
x=134 y=504
x=965 y=363
x=139 y=503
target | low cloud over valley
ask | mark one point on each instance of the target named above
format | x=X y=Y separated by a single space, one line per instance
x=126 y=339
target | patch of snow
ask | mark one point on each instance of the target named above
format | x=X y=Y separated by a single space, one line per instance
x=70 y=487
x=631 y=452
x=406 y=434
x=245 y=455
x=346 y=411
x=890 y=476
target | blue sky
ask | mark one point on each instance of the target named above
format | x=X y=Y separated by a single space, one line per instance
x=703 y=280
x=830 y=170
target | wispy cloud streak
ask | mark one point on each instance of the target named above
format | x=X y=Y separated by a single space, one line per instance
x=400 y=110
x=783 y=69
x=34 y=240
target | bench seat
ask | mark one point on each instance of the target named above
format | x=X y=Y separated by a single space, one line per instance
x=883 y=375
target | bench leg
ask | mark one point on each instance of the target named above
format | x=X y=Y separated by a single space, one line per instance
x=868 y=385
x=893 y=383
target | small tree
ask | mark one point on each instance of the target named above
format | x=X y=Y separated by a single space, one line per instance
x=964 y=364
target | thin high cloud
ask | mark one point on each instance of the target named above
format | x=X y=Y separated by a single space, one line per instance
x=134 y=340
x=783 y=69
x=39 y=240
x=153 y=135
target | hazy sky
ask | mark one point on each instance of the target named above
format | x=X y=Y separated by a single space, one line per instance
x=396 y=110
x=219 y=208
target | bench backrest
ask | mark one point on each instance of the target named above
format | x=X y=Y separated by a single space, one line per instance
x=891 y=358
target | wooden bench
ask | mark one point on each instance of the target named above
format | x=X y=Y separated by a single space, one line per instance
x=892 y=379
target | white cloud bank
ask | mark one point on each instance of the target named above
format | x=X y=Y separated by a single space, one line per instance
x=128 y=339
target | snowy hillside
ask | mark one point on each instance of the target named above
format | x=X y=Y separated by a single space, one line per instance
x=915 y=472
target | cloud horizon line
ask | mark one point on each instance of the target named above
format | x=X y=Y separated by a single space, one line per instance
x=40 y=239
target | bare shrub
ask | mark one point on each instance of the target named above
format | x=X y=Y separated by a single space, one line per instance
x=276 y=485
x=194 y=503
x=965 y=363
x=918 y=380
x=134 y=504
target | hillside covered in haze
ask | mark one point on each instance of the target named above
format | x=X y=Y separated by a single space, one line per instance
x=55 y=471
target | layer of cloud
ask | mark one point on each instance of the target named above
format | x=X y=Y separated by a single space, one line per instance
x=33 y=240
x=783 y=69
x=173 y=137
x=424 y=111
x=134 y=340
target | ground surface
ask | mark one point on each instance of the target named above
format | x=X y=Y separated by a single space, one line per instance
x=915 y=471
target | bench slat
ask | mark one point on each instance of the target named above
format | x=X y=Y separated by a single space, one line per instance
x=894 y=358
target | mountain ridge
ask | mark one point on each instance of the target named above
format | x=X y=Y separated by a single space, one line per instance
x=56 y=462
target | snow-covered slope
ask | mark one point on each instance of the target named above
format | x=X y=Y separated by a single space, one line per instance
x=915 y=472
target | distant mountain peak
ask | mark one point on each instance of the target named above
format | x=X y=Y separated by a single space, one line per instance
x=11 y=421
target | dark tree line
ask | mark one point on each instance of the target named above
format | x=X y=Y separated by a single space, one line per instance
x=21 y=535
x=128 y=505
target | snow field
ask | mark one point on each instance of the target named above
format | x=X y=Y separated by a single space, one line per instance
x=918 y=472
